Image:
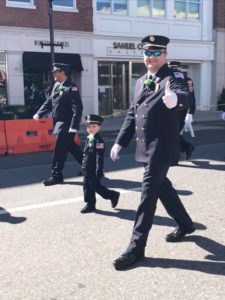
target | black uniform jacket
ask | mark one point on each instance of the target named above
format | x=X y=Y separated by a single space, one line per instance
x=191 y=109
x=66 y=107
x=93 y=158
x=156 y=126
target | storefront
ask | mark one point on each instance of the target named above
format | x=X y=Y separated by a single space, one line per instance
x=26 y=64
x=120 y=64
x=3 y=79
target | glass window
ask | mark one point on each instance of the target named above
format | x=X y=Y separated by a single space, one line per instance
x=103 y=6
x=143 y=8
x=180 y=9
x=187 y=9
x=120 y=7
x=3 y=78
x=21 y=1
x=158 y=8
x=109 y=6
x=64 y=3
x=155 y=8
x=194 y=9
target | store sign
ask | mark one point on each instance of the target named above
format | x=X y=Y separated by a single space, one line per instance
x=125 y=49
x=63 y=43
x=125 y=45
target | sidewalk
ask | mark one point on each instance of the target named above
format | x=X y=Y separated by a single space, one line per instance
x=114 y=123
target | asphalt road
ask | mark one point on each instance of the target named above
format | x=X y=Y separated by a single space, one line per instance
x=49 y=251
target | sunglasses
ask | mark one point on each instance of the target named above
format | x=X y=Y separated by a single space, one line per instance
x=155 y=53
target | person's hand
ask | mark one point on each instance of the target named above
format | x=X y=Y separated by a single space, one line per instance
x=188 y=118
x=170 y=98
x=223 y=116
x=115 y=151
x=71 y=130
x=36 y=117
x=190 y=86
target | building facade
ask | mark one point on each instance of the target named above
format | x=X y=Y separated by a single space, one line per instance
x=26 y=63
x=218 y=74
x=101 y=40
x=119 y=25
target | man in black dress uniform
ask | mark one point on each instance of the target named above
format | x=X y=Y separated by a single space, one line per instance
x=186 y=115
x=154 y=117
x=66 y=106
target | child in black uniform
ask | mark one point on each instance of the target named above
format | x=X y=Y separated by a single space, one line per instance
x=93 y=163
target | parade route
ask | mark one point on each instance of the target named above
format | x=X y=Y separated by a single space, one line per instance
x=51 y=251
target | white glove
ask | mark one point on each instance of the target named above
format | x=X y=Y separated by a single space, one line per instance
x=223 y=116
x=115 y=151
x=170 y=98
x=72 y=130
x=36 y=117
x=188 y=118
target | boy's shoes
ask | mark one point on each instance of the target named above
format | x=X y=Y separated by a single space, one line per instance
x=53 y=181
x=115 y=199
x=189 y=151
x=88 y=209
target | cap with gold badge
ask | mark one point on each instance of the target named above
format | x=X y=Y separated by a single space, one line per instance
x=155 y=41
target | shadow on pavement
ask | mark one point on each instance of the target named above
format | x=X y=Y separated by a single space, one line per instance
x=128 y=214
x=214 y=268
x=197 y=164
x=6 y=217
x=216 y=249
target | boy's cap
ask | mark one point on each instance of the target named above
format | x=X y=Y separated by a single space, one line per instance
x=60 y=67
x=155 y=41
x=174 y=64
x=93 y=119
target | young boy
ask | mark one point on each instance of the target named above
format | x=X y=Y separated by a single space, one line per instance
x=93 y=163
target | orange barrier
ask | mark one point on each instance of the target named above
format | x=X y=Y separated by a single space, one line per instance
x=3 y=145
x=29 y=135
x=77 y=139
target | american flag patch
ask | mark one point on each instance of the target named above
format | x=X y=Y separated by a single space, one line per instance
x=99 y=145
x=74 y=89
x=179 y=75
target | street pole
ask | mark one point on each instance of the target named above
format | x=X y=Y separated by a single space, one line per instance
x=51 y=33
x=52 y=44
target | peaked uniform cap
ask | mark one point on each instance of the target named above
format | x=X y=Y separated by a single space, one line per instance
x=93 y=119
x=174 y=64
x=60 y=67
x=155 y=41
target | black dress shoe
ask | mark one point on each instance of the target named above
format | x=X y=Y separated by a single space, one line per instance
x=87 y=209
x=115 y=199
x=189 y=151
x=52 y=181
x=178 y=234
x=128 y=260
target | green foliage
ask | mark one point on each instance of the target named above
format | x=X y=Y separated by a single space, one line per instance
x=221 y=101
x=11 y=112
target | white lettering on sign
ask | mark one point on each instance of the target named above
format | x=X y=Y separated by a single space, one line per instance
x=39 y=42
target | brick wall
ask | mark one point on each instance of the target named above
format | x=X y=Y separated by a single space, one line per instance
x=219 y=13
x=38 y=18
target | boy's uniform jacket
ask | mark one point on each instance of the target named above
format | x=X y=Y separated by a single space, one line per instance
x=93 y=159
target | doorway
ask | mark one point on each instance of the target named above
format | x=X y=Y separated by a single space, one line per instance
x=113 y=83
